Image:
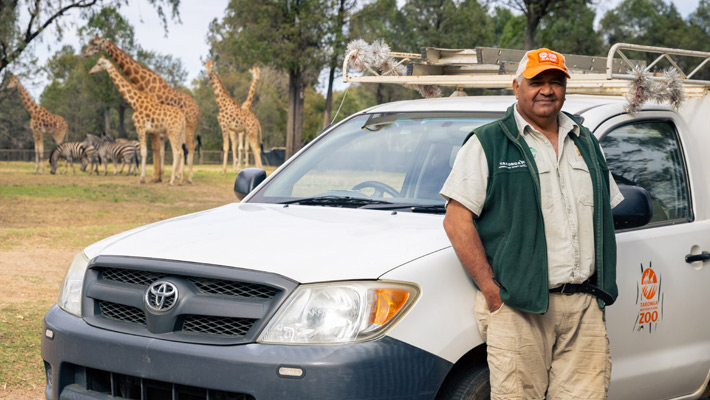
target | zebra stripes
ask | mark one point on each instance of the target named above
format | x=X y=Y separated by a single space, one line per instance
x=103 y=150
x=69 y=151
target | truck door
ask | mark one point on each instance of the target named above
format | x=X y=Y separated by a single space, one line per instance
x=658 y=327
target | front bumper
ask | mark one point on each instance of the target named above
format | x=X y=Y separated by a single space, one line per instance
x=78 y=353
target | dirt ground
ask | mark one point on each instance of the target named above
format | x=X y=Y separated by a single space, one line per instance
x=46 y=219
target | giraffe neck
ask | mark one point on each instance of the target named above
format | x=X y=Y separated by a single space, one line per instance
x=124 y=86
x=30 y=104
x=220 y=92
x=135 y=71
x=247 y=103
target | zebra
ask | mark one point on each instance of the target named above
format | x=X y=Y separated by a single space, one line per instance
x=123 y=150
x=137 y=159
x=91 y=145
x=118 y=151
x=91 y=156
x=69 y=151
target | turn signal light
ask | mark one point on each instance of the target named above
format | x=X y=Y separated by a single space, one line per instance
x=387 y=303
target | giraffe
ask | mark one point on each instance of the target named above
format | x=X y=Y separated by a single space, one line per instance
x=149 y=116
x=148 y=81
x=234 y=121
x=42 y=122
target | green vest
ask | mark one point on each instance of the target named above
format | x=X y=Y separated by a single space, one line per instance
x=511 y=225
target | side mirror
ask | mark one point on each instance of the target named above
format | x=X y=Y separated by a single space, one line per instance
x=635 y=210
x=247 y=180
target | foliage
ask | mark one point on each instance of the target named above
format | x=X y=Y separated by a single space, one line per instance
x=16 y=37
x=657 y=23
x=448 y=24
x=168 y=67
x=287 y=35
x=570 y=30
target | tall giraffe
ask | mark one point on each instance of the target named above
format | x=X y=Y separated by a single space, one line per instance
x=149 y=116
x=246 y=107
x=234 y=121
x=148 y=81
x=42 y=122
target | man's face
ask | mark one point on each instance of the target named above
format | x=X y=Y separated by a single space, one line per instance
x=542 y=96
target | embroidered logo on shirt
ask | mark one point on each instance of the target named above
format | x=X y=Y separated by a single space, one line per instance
x=533 y=151
x=512 y=165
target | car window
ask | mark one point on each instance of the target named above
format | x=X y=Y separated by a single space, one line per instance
x=648 y=154
x=395 y=157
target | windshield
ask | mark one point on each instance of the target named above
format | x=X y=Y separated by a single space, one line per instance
x=380 y=161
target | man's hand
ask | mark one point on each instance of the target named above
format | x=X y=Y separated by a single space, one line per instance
x=458 y=224
x=493 y=300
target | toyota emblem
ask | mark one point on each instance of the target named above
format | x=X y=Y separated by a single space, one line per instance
x=161 y=296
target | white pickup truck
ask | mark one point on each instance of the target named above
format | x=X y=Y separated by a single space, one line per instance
x=333 y=278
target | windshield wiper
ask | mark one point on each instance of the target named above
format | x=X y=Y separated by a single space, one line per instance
x=437 y=209
x=432 y=209
x=336 y=201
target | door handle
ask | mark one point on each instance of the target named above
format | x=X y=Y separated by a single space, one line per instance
x=704 y=256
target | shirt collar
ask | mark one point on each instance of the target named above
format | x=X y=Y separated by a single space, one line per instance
x=566 y=124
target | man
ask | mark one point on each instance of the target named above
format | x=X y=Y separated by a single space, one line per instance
x=529 y=216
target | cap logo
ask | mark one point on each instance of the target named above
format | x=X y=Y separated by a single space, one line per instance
x=547 y=57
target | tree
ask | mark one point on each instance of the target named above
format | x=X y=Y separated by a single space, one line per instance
x=383 y=20
x=570 y=30
x=535 y=11
x=337 y=45
x=448 y=24
x=509 y=29
x=165 y=65
x=15 y=38
x=110 y=24
x=286 y=34
x=649 y=22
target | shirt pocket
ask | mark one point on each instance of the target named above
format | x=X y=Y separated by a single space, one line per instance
x=581 y=182
x=544 y=173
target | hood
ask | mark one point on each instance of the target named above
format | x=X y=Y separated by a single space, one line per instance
x=303 y=243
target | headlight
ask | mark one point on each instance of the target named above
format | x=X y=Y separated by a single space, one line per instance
x=340 y=312
x=70 y=293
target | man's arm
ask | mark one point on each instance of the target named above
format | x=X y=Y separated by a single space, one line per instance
x=458 y=224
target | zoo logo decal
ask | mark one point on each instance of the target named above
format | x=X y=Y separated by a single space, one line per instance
x=649 y=297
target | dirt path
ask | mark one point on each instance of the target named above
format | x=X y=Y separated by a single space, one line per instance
x=44 y=221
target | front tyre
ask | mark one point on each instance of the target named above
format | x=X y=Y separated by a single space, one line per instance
x=467 y=383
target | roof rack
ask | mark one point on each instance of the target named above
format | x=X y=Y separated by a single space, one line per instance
x=493 y=68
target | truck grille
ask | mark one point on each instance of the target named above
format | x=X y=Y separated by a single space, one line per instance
x=98 y=383
x=119 y=312
x=217 y=325
x=213 y=304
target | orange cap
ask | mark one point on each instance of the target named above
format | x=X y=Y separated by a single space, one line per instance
x=536 y=61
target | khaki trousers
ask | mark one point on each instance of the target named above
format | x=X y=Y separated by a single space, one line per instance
x=562 y=354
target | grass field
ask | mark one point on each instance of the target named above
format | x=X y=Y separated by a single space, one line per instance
x=45 y=220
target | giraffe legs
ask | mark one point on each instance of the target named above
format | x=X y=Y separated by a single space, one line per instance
x=158 y=147
x=176 y=136
x=39 y=154
x=190 y=144
x=144 y=152
x=225 y=142
x=241 y=150
x=236 y=143
x=253 y=140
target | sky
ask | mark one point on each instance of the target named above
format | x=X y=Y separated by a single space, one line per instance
x=187 y=41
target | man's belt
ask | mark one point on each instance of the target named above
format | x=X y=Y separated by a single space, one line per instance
x=584 y=287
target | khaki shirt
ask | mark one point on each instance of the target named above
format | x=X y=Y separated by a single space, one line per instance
x=566 y=194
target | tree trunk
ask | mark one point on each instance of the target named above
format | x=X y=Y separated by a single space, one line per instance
x=379 y=96
x=530 y=30
x=122 y=121
x=107 y=120
x=329 y=98
x=294 y=123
